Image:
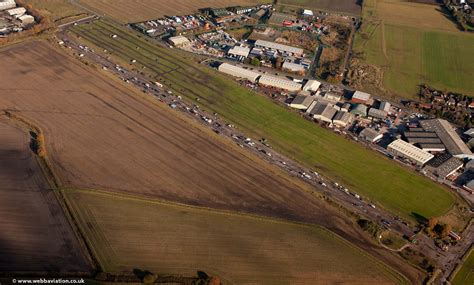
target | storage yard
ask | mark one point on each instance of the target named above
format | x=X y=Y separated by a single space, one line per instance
x=239 y=249
x=253 y=114
x=36 y=236
x=14 y=18
x=131 y=11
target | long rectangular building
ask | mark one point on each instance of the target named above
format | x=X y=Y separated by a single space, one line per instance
x=238 y=72
x=448 y=136
x=279 y=47
x=403 y=149
x=279 y=82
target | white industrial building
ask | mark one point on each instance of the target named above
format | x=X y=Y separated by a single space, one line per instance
x=26 y=19
x=238 y=72
x=293 y=67
x=17 y=12
x=385 y=106
x=279 y=47
x=360 y=97
x=312 y=85
x=179 y=41
x=279 y=82
x=7 y=4
x=402 y=148
x=302 y=102
x=238 y=51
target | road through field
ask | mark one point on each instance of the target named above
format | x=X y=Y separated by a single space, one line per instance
x=35 y=235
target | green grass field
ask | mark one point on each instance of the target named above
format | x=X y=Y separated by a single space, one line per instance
x=413 y=54
x=465 y=274
x=127 y=233
x=349 y=7
x=361 y=170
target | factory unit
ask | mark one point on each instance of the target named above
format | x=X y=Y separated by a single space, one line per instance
x=448 y=136
x=302 y=102
x=443 y=166
x=361 y=97
x=406 y=150
x=360 y=110
x=279 y=47
x=312 y=85
x=26 y=19
x=323 y=112
x=342 y=119
x=179 y=41
x=370 y=135
x=17 y=12
x=279 y=82
x=238 y=72
x=385 y=106
x=293 y=67
x=377 y=113
x=239 y=51
x=7 y=4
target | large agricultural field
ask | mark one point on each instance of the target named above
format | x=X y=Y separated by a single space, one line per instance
x=239 y=249
x=35 y=234
x=350 y=7
x=361 y=170
x=465 y=274
x=104 y=135
x=414 y=44
x=137 y=11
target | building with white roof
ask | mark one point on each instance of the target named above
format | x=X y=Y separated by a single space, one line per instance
x=239 y=51
x=26 y=19
x=293 y=67
x=17 y=12
x=312 y=85
x=279 y=47
x=238 y=72
x=342 y=119
x=8 y=4
x=360 y=97
x=385 y=106
x=179 y=41
x=279 y=82
x=323 y=112
x=403 y=149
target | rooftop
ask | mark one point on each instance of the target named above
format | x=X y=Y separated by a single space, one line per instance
x=410 y=151
x=447 y=134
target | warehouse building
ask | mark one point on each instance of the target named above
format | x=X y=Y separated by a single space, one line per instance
x=8 y=4
x=323 y=112
x=432 y=147
x=360 y=97
x=448 y=136
x=342 y=119
x=239 y=51
x=370 y=135
x=302 y=102
x=279 y=82
x=312 y=86
x=279 y=48
x=377 y=113
x=238 y=72
x=421 y=140
x=293 y=67
x=17 y=12
x=385 y=106
x=179 y=41
x=26 y=19
x=403 y=149
x=360 y=110
x=443 y=166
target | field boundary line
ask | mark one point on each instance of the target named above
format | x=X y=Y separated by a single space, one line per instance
x=460 y=265
x=154 y=201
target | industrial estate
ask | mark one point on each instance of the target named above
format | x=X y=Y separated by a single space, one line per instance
x=236 y=142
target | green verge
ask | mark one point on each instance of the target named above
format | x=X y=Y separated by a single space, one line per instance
x=442 y=59
x=126 y=232
x=361 y=170
x=465 y=273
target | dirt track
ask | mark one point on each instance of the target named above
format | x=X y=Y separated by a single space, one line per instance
x=106 y=137
x=34 y=233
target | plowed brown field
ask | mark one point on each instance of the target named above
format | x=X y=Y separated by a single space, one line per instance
x=102 y=134
x=34 y=233
x=136 y=11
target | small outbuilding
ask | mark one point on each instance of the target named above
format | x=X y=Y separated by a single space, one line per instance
x=370 y=135
x=179 y=41
x=360 y=97
x=302 y=102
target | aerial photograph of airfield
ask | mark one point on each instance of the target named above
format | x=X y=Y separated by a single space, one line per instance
x=208 y=142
